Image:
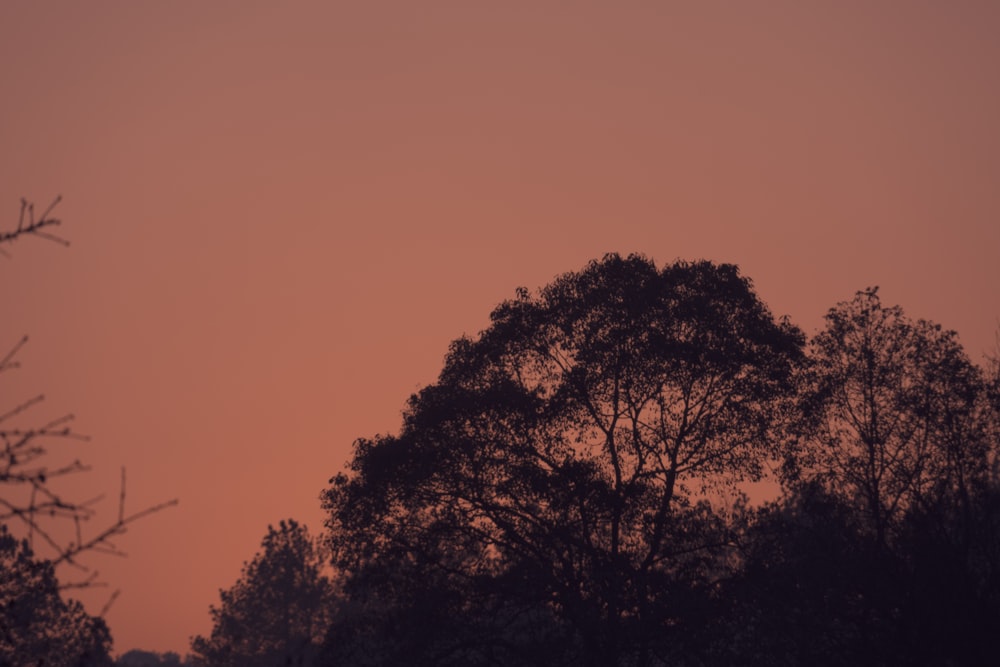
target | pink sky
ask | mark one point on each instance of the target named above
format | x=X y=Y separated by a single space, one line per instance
x=282 y=213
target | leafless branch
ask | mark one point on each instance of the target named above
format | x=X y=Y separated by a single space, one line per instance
x=23 y=464
x=102 y=541
x=27 y=224
x=28 y=496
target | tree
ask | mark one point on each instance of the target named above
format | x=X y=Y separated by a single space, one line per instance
x=883 y=549
x=38 y=627
x=140 y=658
x=28 y=498
x=809 y=590
x=813 y=588
x=279 y=610
x=893 y=413
x=563 y=463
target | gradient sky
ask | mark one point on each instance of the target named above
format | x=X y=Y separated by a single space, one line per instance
x=282 y=213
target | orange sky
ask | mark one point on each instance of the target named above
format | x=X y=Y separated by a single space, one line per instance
x=281 y=213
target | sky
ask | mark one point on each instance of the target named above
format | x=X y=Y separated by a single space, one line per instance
x=280 y=215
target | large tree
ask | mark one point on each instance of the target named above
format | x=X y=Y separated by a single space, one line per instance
x=560 y=467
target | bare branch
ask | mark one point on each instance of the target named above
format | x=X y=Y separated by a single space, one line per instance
x=7 y=362
x=102 y=541
x=107 y=605
x=26 y=224
x=27 y=495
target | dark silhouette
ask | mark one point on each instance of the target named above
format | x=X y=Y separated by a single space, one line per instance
x=28 y=499
x=279 y=610
x=891 y=414
x=28 y=225
x=140 y=658
x=566 y=492
x=560 y=470
x=38 y=627
x=569 y=492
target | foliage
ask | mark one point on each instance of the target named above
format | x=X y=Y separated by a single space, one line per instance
x=38 y=627
x=279 y=610
x=893 y=413
x=569 y=493
x=814 y=589
x=140 y=658
x=885 y=548
x=563 y=462
x=808 y=589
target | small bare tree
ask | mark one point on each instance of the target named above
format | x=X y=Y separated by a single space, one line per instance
x=28 y=496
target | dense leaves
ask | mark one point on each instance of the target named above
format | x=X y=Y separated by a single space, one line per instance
x=140 y=658
x=278 y=611
x=570 y=492
x=37 y=625
x=562 y=463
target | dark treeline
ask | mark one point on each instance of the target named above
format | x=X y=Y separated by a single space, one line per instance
x=569 y=493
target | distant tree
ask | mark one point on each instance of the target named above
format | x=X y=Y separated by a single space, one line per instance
x=561 y=466
x=893 y=413
x=140 y=658
x=37 y=626
x=280 y=609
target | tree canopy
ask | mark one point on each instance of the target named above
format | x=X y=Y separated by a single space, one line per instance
x=894 y=413
x=562 y=463
x=570 y=492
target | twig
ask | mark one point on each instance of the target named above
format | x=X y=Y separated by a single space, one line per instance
x=38 y=227
x=22 y=459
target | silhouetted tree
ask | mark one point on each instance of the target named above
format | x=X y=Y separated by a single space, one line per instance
x=38 y=627
x=811 y=589
x=560 y=467
x=814 y=588
x=893 y=412
x=884 y=550
x=950 y=604
x=140 y=658
x=993 y=403
x=279 y=610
